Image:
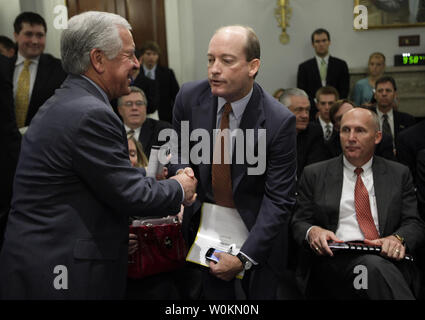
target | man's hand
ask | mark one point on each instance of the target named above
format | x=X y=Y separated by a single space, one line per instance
x=318 y=240
x=133 y=244
x=391 y=247
x=163 y=175
x=227 y=267
x=188 y=181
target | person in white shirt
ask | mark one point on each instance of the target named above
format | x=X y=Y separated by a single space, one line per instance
x=358 y=197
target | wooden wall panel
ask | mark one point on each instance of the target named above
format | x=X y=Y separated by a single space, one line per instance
x=147 y=18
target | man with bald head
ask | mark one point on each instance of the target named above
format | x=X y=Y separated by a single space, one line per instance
x=358 y=197
x=231 y=99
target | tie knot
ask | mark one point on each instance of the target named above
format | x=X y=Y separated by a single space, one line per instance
x=323 y=62
x=130 y=133
x=358 y=171
x=227 y=109
x=385 y=116
x=27 y=63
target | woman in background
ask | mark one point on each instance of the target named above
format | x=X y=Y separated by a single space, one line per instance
x=364 y=89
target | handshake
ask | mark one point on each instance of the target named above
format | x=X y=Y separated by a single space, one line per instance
x=187 y=180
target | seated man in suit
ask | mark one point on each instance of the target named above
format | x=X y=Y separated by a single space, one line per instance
x=310 y=146
x=132 y=109
x=325 y=98
x=383 y=149
x=392 y=121
x=36 y=74
x=163 y=76
x=409 y=143
x=322 y=70
x=359 y=197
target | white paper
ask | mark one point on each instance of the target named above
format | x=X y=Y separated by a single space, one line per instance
x=220 y=228
x=157 y=159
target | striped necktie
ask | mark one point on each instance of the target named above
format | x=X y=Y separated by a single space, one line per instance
x=23 y=95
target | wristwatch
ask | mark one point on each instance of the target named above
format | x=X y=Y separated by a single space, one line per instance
x=399 y=238
x=247 y=264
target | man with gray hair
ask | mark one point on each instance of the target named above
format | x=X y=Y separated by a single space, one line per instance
x=310 y=145
x=67 y=233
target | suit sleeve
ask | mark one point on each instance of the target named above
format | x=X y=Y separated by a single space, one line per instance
x=101 y=160
x=279 y=193
x=303 y=217
x=412 y=228
x=420 y=168
x=344 y=81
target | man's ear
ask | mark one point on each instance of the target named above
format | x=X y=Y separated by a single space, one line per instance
x=97 y=60
x=378 y=137
x=254 y=66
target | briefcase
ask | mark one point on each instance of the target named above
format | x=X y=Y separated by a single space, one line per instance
x=161 y=247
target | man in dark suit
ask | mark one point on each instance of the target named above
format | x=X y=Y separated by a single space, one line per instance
x=409 y=143
x=163 y=76
x=10 y=141
x=132 y=109
x=263 y=196
x=322 y=70
x=392 y=121
x=358 y=197
x=310 y=145
x=67 y=232
x=45 y=71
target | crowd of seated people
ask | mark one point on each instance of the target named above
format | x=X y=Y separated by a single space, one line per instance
x=334 y=137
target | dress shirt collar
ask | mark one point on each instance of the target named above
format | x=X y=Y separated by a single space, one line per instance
x=20 y=60
x=390 y=114
x=238 y=107
x=104 y=95
x=136 y=131
x=146 y=69
x=367 y=167
x=324 y=124
x=319 y=59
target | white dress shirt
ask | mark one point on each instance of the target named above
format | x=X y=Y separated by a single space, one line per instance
x=348 y=228
x=19 y=65
x=146 y=70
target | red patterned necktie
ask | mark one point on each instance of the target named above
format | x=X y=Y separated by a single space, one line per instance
x=363 y=213
x=221 y=170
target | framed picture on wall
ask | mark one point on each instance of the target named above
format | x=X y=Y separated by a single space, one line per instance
x=394 y=13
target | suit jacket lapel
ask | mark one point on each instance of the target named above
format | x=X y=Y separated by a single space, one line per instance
x=330 y=70
x=252 y=118
x=382 y=189
x=204 y=117
x=41 y=78
x=316 y=72
x=333 y=187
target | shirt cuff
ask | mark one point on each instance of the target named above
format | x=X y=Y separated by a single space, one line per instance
x=306 y=235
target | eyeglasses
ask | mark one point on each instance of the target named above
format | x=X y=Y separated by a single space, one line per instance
x=138 y=103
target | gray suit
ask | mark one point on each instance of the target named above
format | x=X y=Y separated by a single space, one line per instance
x=320 y=195
x=73 y=192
